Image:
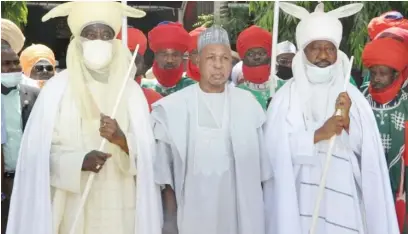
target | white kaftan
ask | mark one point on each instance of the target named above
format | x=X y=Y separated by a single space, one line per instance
x=207 y=201
x=357 y=196
x=110 y=206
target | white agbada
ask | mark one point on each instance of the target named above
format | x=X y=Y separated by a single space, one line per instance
x=210 y=150
x=49 y=182
x=357 y=195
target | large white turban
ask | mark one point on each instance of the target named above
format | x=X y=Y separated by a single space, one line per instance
x=319 y=25
x=11 y=33
x=81 y=14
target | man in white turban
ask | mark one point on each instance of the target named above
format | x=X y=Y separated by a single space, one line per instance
x=357 y=194
x=285 y=52
x=59 y=149
x=210 y=155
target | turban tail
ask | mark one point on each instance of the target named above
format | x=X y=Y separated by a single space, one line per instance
x=254 y=37
x=12 y=34
x=33 y=54
x=135 y=37
x=169 y=36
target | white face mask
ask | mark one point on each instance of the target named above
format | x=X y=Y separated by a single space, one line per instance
x=318 y=75
x=97 y=53
x=10 y=80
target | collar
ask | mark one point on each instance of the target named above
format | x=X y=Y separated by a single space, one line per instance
x=6 y=91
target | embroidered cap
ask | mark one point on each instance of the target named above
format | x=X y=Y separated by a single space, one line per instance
x=213 y=35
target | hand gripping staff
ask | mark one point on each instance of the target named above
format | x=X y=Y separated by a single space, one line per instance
x=103 y=143
x=322 y=184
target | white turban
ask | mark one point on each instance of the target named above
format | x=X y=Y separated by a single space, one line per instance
x=319 y=25
x=11 y=33
x=286 y=47
x=81 y=14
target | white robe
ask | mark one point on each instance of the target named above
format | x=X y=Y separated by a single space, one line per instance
x=358 y=195
x=214 y=161
x=32 y=208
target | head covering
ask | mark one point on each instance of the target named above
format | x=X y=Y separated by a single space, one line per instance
x=194 y=38
x=81 y=14
x=384 y=21
x=253 y=37
x=169 y=35
x=285 y=47
x=403 y=33
x=33 y=54
x=236 y=72
x=135 y=36
x=319 y=25
x=390 y=53
x=11 y=33
x=213 y=35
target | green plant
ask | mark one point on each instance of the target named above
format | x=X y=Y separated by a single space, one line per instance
x=16 y=11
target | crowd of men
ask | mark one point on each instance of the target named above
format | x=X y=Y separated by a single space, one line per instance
x=203 y=147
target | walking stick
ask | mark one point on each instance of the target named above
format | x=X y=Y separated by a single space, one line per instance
x=322 y=184
x=272 y=80
x=103 y=143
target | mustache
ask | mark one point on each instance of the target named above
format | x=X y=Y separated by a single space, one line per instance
x=169 y=66
x=323 y=63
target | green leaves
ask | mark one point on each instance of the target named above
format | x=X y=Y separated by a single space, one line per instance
x=15 y=11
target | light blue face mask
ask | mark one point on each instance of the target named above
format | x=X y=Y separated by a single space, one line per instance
x=12 y=79
x=318 y=75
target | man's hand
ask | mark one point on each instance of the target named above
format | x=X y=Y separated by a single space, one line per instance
x=110 y=130
x=343 y=103
x=334 y=125
x=94 y=161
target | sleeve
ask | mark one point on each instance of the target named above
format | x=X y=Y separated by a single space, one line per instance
x=125 y=162
x=3 y=126
x=163 y=162
x=266 y=165
x=66 y=163
x=302 y=143
x=354 y=138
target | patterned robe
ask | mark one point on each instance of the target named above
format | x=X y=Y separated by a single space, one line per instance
x=260 y=91
x=391 y=120
x=164 y=91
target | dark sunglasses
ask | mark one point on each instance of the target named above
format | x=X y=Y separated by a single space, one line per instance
x=41 y=68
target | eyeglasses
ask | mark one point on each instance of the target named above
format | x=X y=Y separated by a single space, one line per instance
x=284 y=62
x=44 y=68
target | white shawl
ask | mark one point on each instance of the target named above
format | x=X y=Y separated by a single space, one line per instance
x=284 y=115
x=30 y=208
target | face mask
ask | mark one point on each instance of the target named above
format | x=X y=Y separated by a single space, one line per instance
x=192 y=71
x=256 y=75
x=318 y=75
x=11 y=80
x=97 y=53
x=167 y=77
x=285 y=73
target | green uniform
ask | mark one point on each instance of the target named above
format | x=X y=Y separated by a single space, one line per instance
x=391 y=119
x=260 y=91
x=164 y=91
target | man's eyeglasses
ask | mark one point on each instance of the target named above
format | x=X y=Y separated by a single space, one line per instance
x=284 y=62
x=44 y=68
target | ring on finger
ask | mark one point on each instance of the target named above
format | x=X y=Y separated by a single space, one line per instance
x=104 y=124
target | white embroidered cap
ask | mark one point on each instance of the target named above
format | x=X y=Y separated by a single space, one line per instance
x=285 y=47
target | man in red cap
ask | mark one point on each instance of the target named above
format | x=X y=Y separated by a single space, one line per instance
x=396 y=33
x=387 y=60
x=169 y=41
x=192 y=69
x=135 y=37
x=254 y=46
